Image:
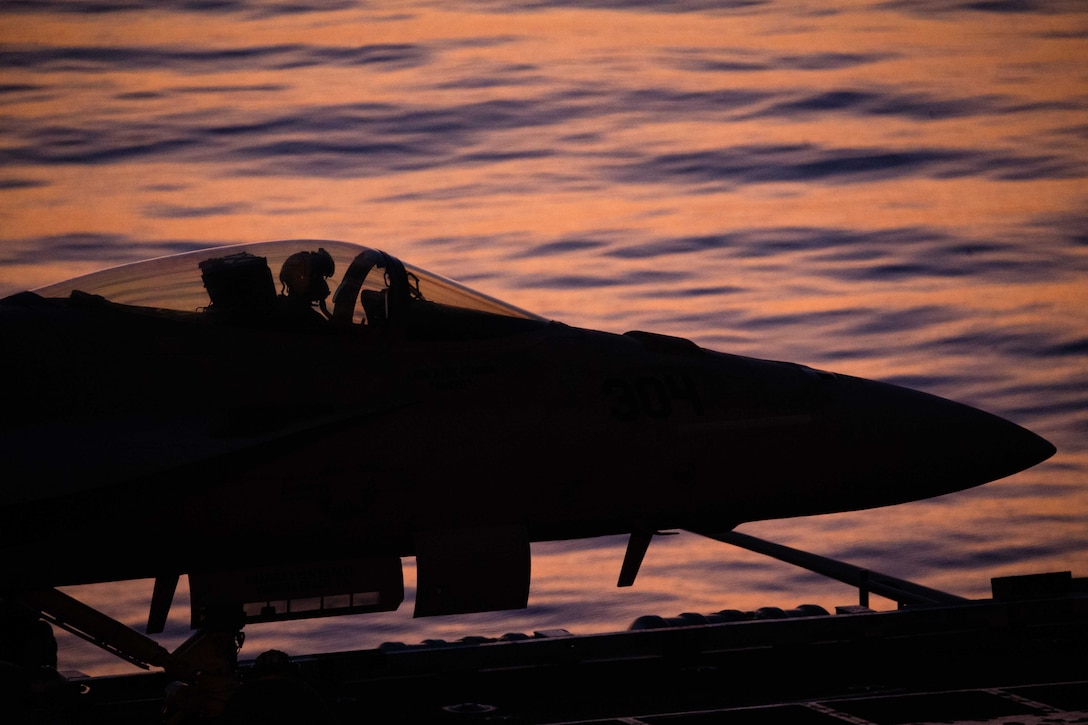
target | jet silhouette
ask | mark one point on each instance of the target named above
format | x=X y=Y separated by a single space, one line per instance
x=285 y=447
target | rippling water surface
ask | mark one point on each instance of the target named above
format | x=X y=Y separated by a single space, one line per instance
x=892 y=190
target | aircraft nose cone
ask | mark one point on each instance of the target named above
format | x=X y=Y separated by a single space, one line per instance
x=925 y=445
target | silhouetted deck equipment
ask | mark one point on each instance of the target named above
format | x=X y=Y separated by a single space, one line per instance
x=1019 y=654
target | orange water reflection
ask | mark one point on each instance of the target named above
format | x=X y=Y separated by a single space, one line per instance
x=863 y=189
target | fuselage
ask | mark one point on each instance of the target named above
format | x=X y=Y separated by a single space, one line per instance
x=151 y=440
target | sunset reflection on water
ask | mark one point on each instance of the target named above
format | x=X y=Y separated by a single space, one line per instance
x=892 y=191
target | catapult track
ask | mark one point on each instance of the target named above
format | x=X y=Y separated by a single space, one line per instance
x=1019 y=655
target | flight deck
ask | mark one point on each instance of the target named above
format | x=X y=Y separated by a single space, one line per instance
x=1016 y=657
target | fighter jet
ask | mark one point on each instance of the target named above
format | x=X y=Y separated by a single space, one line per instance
x=285 y=446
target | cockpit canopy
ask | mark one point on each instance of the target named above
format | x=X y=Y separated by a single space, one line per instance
x=374 y=288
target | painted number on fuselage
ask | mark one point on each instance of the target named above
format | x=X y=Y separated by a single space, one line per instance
x=652 y=396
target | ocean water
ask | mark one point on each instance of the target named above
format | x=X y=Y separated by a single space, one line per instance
x=892 y=190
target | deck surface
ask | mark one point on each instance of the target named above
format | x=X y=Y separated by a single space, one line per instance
x=1021 y=660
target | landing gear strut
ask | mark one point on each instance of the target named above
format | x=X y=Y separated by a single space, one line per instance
x=204 y=667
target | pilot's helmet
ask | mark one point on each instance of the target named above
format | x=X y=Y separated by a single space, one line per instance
x=304 y=274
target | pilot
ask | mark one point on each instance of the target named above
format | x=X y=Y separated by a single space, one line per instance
x=303 y=277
